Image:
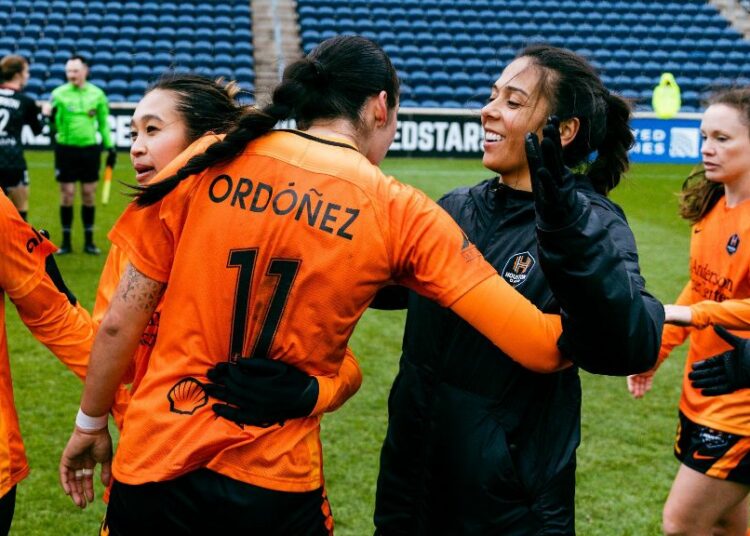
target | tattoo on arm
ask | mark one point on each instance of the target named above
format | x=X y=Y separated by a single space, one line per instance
x=139 y=291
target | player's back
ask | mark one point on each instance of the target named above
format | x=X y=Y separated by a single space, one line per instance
x=275 y=255
x=15 y=108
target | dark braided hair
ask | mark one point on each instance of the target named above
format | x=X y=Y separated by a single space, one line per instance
x=573 y=89
x=333 y=81
x=699 y=195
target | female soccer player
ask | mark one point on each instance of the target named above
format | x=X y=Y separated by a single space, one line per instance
x=16 y=110
x=270 y=244
x=29 y=276
x=710 y=490
x=485 y=446
x=177 y=111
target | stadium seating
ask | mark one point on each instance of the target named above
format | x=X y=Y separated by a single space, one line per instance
x=630 y=42
x=128 y=44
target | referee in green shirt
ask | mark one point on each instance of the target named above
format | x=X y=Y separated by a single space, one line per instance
x=79 y=111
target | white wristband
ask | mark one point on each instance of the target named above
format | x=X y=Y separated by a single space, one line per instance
x=90 y=424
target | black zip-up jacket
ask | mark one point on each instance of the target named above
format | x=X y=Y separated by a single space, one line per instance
x=477 y=444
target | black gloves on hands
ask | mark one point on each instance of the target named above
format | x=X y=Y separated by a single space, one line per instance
x=111 y=157
x=723 y=373
x=555 y=199
x=261 y=392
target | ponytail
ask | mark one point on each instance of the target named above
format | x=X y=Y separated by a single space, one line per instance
x=612 y=153
x=574 y=90
x=331 y=82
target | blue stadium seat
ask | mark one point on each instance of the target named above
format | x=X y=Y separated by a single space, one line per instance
x=118 y=85
x=223 y=47
x=52 y=83
x=99 y=70
x=202 y=47
x=57 y=70
x=37 y=70
x=223 y=60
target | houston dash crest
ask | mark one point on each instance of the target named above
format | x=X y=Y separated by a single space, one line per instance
x=518 y=268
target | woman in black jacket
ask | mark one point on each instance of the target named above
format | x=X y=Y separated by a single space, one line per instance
x=477 y=444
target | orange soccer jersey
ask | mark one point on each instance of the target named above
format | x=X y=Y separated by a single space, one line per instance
x=333 y=392
x=719 y=271
x=63 y=328
x=274 y=255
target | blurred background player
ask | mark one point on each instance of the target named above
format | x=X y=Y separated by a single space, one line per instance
x=29 y=276
x=344 y=95
x=667 y=98
x=710 y=490
x=79 y=111
x=484 y=445
x=16 y=110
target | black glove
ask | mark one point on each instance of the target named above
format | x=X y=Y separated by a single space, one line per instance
x=111 y=157
x=261 y=392
x=555 y=199
x=723 y=373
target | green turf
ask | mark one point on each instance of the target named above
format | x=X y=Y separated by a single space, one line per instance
x=625 y=461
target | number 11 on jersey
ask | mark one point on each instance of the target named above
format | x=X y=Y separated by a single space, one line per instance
x=285 y=272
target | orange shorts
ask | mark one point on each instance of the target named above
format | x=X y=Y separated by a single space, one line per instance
x=713 y=452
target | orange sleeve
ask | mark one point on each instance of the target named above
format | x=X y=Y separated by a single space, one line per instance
x=429 y=252
x=335 y=390
x=66 y=330
x=672 y=335
x=513 y=324
x=23 y=251
x=732 y=314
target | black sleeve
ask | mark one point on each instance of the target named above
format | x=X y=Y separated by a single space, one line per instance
x=31 y=116
x=611 y=324
x=390 y=298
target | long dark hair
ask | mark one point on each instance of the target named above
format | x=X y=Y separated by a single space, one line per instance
x=699 y=195
x=333 y=81
x=204 y=105
x=573 y=89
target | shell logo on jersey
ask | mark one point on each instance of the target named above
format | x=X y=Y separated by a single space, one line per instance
x=734 y=244
x=518 y=268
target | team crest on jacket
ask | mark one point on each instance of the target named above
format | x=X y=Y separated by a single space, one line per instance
x=734 y=244
x=518 y=268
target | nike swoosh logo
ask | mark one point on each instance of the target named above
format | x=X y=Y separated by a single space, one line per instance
x=702 y=457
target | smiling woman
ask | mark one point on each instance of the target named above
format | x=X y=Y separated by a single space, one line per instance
x=484 y=445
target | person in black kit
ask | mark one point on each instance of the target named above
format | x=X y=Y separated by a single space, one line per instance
x=16 y=110
x=477 y=444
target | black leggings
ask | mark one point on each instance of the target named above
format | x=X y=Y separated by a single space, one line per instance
x=7 y=507
x=204 y=502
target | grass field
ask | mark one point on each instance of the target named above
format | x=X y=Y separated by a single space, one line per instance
x=625 y=465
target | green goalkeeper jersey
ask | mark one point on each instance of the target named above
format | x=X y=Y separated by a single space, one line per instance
x=79 y=114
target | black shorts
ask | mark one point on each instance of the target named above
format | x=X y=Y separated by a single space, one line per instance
x=77 y=163
x=13 y=178
x=713 y=452
x=205 y=502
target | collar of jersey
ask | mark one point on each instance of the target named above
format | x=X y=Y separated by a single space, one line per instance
x=328 y=140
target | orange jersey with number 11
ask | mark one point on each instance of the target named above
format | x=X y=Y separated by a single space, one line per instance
x=276 y=255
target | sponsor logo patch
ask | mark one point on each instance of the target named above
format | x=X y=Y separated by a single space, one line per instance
x=518 y=268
